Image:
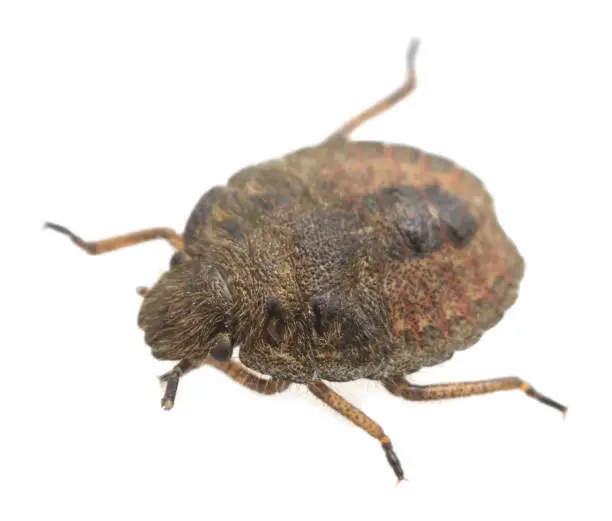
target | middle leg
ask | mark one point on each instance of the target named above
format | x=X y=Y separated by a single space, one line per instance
x=352 y=413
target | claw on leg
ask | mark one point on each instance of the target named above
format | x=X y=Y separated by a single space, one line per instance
x=87 y=246
x=171 y=379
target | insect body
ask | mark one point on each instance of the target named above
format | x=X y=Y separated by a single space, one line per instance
x=337 y=262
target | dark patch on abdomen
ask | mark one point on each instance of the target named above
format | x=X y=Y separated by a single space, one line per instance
x=458 y=223
x=422 y=219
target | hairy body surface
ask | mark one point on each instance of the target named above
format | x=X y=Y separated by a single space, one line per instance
x=337 y=262
x=381 y=259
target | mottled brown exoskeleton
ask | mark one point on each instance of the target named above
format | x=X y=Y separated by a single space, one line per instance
x=337 y=262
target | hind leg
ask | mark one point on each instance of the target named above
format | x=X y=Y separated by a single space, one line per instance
x=401 y=387
x=384 y=104
x=121 y=241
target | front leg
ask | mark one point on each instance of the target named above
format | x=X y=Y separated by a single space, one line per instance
x=171 y=379
x=234 y=370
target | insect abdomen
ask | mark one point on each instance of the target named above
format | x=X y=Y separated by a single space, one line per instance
x=451 y=271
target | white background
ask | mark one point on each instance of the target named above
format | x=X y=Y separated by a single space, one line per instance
x=118 y=115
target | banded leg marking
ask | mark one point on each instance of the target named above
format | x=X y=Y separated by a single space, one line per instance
x=401 y=387
x=386 y=103
x=120 y=241
x=352 y=413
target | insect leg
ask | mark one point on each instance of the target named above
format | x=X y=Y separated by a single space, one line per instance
x=352 y=413
x=401 y=387
x=236 y=371
x=233 y=369
x=171 y=379
x=386 y=103
x=120 y=241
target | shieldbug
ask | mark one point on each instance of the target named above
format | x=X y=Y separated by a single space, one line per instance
x=342 y=261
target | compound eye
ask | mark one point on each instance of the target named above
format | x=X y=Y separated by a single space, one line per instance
x=221 y=350
x=178 y=257
x=274 y=327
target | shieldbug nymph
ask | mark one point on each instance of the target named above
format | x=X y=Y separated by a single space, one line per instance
x=342 y=261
